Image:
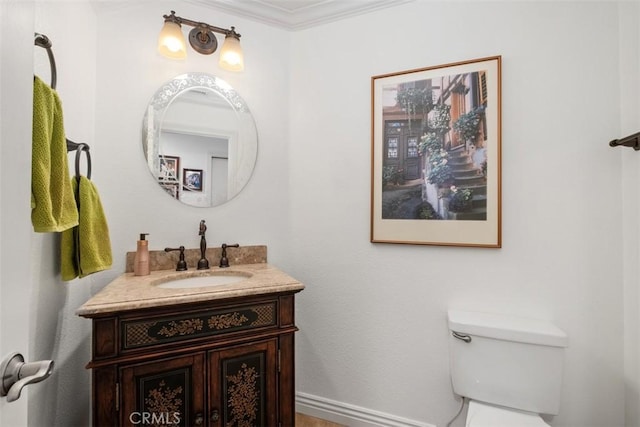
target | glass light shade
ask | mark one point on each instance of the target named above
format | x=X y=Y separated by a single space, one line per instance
x=171 y=41
x=231 y=54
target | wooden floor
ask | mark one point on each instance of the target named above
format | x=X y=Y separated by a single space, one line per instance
x=307 y=421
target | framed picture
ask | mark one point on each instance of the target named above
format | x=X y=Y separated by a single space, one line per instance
x=169 y=168
x=172 y=188
x=192 y=179
x=436 y=155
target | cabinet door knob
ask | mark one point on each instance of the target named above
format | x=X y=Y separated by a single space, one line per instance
x=199 y=420
x=215 y=416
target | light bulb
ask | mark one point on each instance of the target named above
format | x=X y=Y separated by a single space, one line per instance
x=171 y=41
x=231 y=57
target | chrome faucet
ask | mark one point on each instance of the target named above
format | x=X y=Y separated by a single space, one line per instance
x=203 y=263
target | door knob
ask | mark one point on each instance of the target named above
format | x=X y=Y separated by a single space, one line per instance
x=15 y=374
x=215 y=416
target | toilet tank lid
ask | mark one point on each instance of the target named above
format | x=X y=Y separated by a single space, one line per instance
x=505 y=327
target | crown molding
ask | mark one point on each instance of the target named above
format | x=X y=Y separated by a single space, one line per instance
x=297 y=15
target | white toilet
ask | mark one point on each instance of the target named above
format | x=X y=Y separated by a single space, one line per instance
x=509 y=368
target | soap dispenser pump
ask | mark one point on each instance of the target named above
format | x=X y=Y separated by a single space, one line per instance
x=141 y=260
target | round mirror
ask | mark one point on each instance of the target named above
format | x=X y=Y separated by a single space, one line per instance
x=200 y=140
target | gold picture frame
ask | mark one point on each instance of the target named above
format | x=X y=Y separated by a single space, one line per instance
x=436 y=155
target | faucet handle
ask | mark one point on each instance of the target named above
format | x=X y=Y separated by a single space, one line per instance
x=182 y=264
x=224 y=261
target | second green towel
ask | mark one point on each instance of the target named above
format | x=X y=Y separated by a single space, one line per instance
x=86 y=249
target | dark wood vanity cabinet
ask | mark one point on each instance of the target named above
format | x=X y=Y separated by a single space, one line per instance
x=165 y=392
x=241 y=380
x=221 y=363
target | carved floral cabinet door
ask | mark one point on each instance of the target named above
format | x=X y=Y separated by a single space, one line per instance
x=164 y=392
x=242 y=385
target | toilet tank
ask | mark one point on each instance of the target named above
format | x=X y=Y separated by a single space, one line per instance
x=507 y=360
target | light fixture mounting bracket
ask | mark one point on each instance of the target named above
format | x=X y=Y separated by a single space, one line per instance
x=202 y=40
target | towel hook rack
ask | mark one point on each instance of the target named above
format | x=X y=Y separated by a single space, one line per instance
x=632 y=141
x=44 y=42
x=82 y=148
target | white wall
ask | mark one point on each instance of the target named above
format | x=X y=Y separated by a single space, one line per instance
x=129 y=72
x=629 y=87
x=373 y=316
x=373 y=330
x=16 y=99
x=56 y=332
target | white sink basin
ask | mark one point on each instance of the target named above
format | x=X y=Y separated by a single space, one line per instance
x=214 y=279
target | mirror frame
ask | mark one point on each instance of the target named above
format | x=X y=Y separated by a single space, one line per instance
x=162 y=100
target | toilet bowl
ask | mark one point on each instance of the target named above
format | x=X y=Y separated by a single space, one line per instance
x=485 y=415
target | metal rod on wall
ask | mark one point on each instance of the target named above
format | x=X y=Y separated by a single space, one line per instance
x=632 y=141
x=44 y=42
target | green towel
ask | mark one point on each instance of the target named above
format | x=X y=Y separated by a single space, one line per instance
x=86 y=249
x=53 y=207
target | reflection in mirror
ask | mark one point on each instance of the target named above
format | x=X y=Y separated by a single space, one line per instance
x=200 y=140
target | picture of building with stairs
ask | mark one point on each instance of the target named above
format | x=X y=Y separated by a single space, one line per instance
x=434 y=150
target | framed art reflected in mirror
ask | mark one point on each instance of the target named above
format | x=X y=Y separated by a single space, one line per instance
x=172 y=188
x=169 y=168
x=192 y=179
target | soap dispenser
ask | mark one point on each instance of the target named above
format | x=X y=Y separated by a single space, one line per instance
x=141 y=260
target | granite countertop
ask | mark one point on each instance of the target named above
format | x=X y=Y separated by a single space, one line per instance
x=129 y=292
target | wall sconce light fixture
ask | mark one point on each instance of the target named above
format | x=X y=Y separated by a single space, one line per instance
x=201 y=38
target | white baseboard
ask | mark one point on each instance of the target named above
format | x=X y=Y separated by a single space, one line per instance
x=350 y=415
